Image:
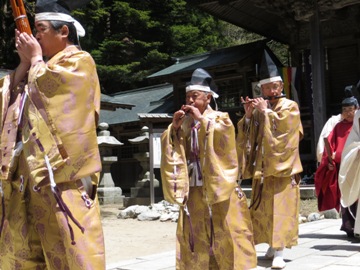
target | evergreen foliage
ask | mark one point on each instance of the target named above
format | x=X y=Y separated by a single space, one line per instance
x=130 y=40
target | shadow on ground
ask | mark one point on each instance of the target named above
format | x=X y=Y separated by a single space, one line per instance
x=264 y=262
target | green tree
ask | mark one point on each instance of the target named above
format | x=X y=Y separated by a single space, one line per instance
x=8 y=56
x=130 y=40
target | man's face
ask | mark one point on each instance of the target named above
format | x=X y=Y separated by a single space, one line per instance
x=272 y=89
x=198 y=99
x=49 y=39
x=348 y=113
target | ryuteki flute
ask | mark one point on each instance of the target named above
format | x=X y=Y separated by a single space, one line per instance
x=266 y=98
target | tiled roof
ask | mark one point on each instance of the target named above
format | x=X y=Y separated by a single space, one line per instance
x=219 y=57
x=156 y=100
x=108 y=103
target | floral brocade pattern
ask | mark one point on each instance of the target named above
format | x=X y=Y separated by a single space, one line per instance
x=275 y=220
x=45 y=233
x=218 y=164
x=68 y=90
x=268 y=150
x=233 y=242
x=233 y=245
x=58 y=125
x=269 y=144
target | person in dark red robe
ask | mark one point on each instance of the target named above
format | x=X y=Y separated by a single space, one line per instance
x=326 y=176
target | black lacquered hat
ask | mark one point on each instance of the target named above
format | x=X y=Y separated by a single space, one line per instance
x=268 y=70
x=349 y=99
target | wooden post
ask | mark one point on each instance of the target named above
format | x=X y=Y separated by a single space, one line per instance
x=318 y=81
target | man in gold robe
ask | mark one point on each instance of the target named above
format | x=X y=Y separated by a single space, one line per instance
x=50 y=161
x=268 y=148
x=199 y=171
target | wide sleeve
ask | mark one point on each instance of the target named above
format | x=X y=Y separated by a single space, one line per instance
x=66 y=93
x=281 y=136
x=173 y=167
x=328 y=127
x=5 y=97
x=10 y=108
x=219 y=159
x=354 y=134
x=349 y=174
x=248 y=142
x=67 y=80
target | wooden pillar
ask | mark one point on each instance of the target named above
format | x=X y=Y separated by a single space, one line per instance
x=318 y=80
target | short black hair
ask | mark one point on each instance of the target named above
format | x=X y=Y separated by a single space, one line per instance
x=73 y=37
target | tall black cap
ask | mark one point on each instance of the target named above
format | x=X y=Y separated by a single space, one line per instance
x=268 y=69
x=349 y=99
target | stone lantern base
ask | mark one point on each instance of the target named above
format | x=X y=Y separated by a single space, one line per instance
x=110 y=195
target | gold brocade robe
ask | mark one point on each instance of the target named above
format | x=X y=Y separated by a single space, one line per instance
x=269 y=144
x=221 y=238
x=268 y=149
x=51 y=228
x=218 y=159
x=70 y=145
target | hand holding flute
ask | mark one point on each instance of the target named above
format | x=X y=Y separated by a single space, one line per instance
x=248 y=106
x=186 y=110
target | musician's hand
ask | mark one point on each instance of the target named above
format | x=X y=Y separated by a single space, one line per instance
x=248 y=106
x=28 y=47
x=178 y=119
x=192 y=111
x=260 y=104
x=23 y=57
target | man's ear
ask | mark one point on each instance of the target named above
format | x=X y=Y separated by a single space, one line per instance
x=64 y=31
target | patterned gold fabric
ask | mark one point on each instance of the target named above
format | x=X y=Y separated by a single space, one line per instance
x=275 y=136
x=218 y=164
x=36 y=234
x=9 y=115
x=275 y=219
x=59 y=120
x=268 y=149
x=68 y=87
x=233 y=246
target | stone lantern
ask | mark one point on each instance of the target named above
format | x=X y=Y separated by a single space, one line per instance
x=107 y=192
x=142 y=188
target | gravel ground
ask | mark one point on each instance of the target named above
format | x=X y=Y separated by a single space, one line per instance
x=127 y=239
